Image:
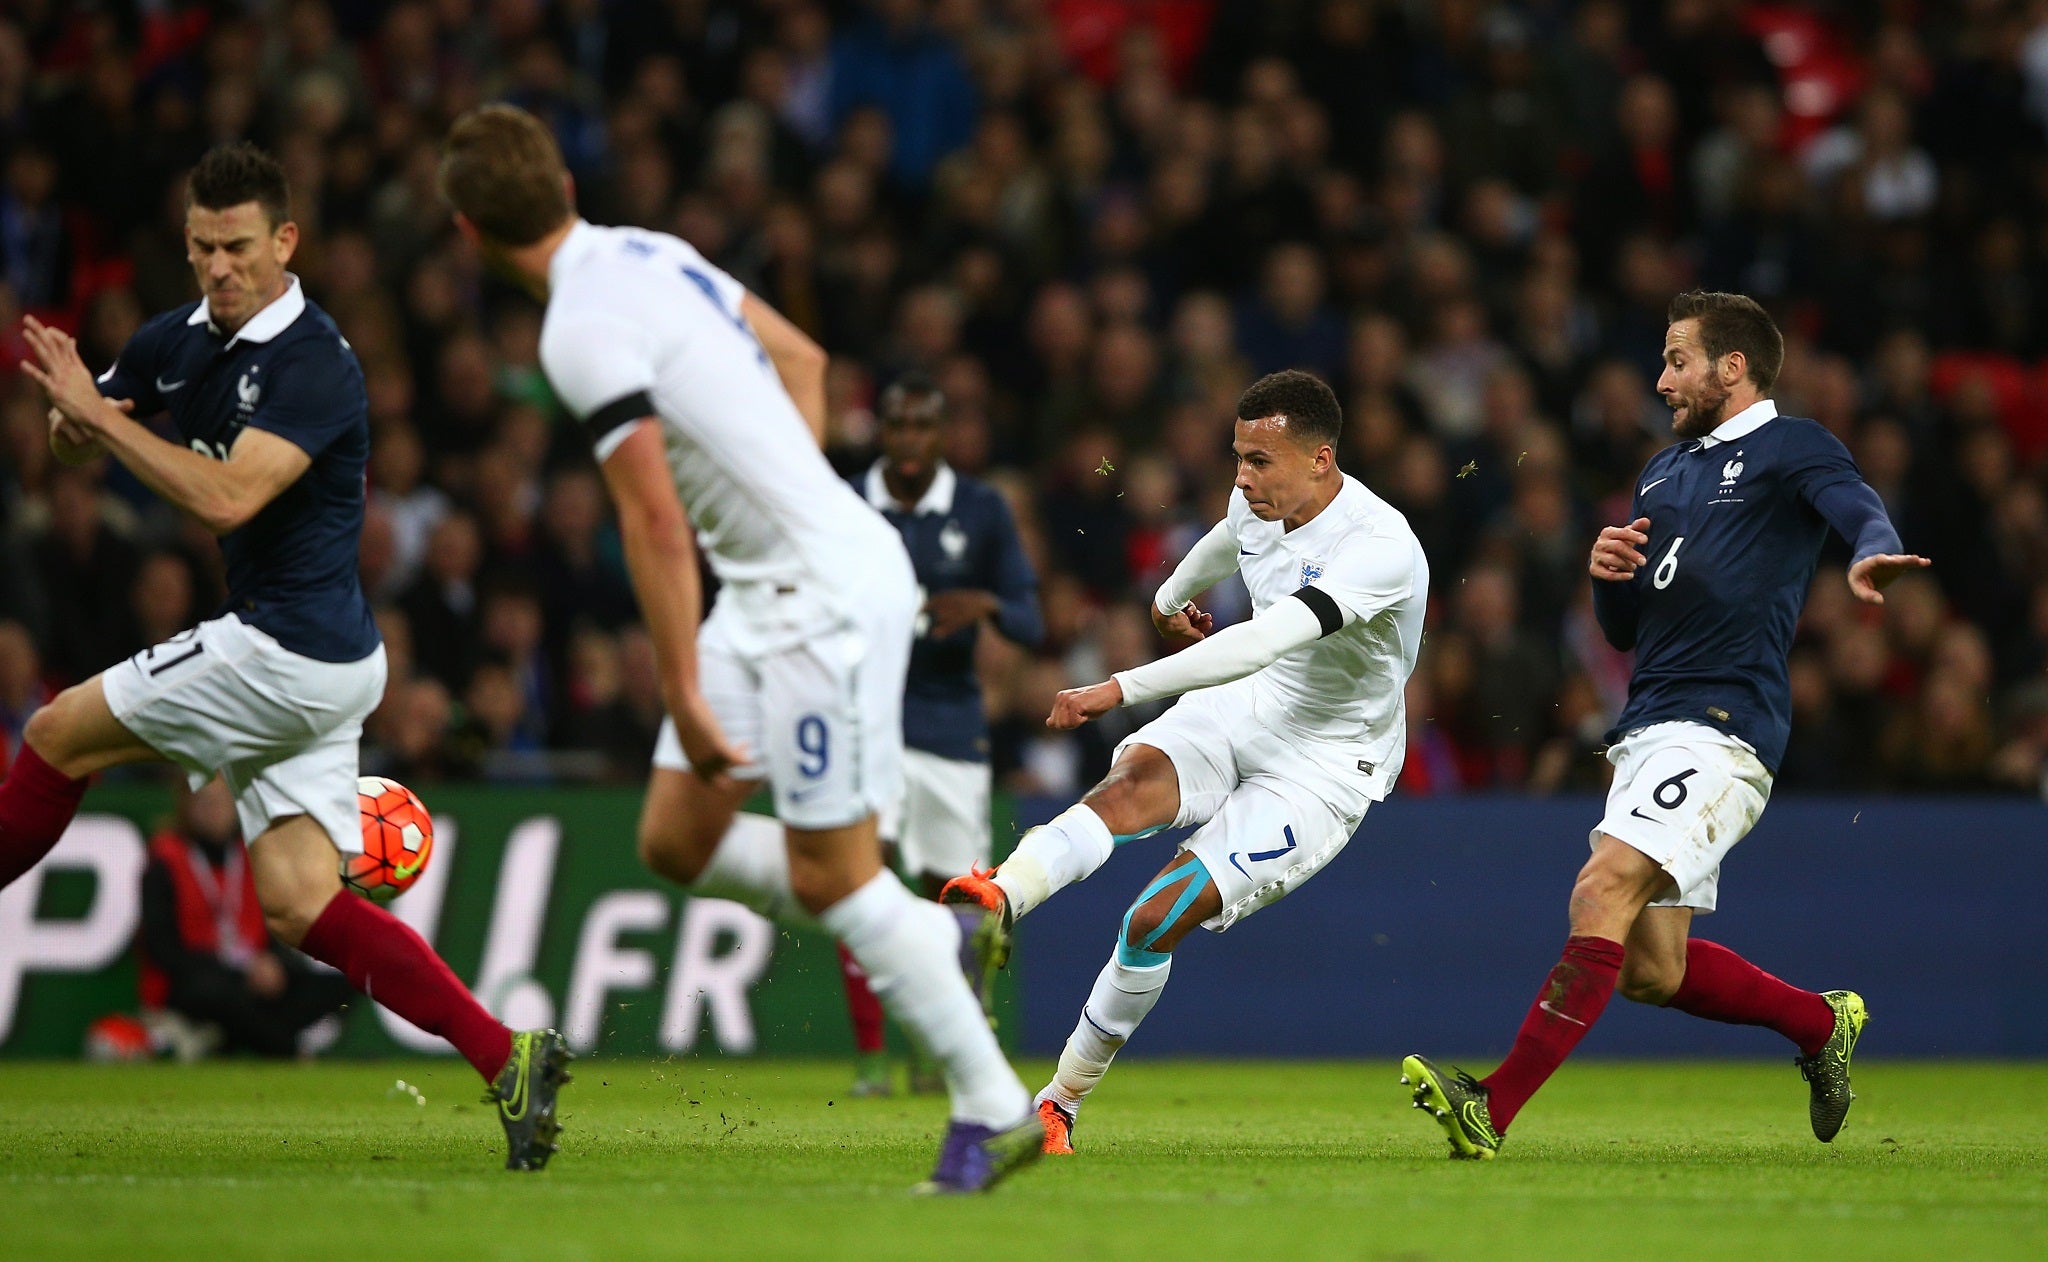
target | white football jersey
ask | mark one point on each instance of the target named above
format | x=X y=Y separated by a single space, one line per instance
x=1349 y=686
x=638 y=318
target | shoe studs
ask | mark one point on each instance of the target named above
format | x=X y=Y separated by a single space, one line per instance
x=1404 y=1080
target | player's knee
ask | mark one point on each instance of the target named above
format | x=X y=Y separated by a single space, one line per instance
x=1144 y=924
x=289 y=909
x=1650 y=980
x=47 y=733
x=1604 y=893
x=665 y=851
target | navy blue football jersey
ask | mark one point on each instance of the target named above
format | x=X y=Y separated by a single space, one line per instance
x=960 y=535
x=1736 y=528
x=292 y=567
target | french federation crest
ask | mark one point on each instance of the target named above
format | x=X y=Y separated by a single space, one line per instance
x=1310 y=572
x=247 y=392
x=953 y=541
x=1731 y=471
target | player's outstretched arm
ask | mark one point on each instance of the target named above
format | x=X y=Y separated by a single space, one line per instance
x=1857 y=514
x=661 y=560
x=798 y=360
x=1231 y=653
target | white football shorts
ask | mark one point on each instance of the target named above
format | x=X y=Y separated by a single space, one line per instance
x=1684 y=794
x=940 y=827
x=1272 y=809
x=819 y=713
x=281 y=729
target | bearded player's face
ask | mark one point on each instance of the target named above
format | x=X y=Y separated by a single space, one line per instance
x=1694 y=383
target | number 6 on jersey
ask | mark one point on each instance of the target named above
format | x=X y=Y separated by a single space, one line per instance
x=1667 y=569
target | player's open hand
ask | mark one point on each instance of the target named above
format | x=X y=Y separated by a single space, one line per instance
x=56 y=367
x=1869 y=577
x=1615 y=556
x=1075 y=706
x=1185 y=627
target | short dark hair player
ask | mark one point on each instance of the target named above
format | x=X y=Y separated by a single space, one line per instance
x=273 y=428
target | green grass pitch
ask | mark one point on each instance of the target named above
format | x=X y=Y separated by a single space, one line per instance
x=723 y=1159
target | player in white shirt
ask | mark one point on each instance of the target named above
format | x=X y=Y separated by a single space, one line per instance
x=1290 y=726
x=699 y=398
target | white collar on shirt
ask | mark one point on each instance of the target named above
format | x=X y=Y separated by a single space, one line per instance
x=273 y=318
x=938 y=497
x=581 y=239
x=1741 y=425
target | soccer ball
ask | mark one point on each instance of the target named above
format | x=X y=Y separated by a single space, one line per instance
x=398 y=838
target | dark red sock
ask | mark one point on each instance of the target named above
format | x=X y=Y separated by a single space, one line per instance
x=1722 y=986
x=861 y=1005
x=37 y=802
x=1571 y=1000
x=382 y=957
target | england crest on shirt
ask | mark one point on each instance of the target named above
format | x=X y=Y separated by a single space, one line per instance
x=1310 y=572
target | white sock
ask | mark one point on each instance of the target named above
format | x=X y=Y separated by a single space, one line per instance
x=750 y=866
x=910 y=950
x=1120 y=1000
x=1053 y=856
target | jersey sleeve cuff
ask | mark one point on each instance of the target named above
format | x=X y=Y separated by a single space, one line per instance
x=1328 y=615
x=607 y=422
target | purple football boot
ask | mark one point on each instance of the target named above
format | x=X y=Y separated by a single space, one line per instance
x=975 y=1158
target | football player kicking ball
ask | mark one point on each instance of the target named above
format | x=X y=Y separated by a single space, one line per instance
x=273 y=432
x=678 y=375
x=1705 y=583
x=1291 y=725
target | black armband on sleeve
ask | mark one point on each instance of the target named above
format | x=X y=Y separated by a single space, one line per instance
x=618 y=412
x=1323 y=607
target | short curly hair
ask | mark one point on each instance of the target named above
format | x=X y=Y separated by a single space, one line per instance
x=1310 y=406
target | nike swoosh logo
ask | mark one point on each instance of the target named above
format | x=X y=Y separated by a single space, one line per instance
x=1659 y=481
x=1637 y=811
x=1240 y=867
x=166 y=387
x=1562 y=1016
x=404 y=871
x=1241 y=552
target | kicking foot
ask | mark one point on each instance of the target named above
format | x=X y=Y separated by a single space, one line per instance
x=1059 y=1129
x=1827 y=1070
x=974 y=1158
x=525 y=1093
x=991 y=939
x=1458 y=1103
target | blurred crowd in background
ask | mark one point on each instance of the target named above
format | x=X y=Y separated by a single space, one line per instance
x=1093 y=222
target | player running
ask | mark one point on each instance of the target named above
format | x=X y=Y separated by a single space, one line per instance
x=1293 y=723
x=693 y=392
x=273 y=431
x=1734 y=517
x=972 y=569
